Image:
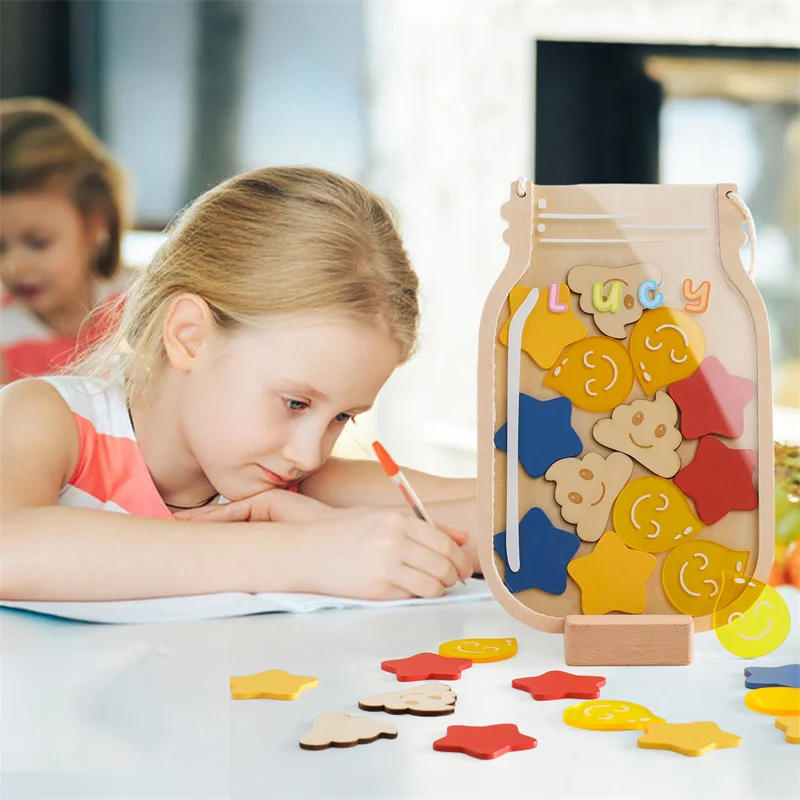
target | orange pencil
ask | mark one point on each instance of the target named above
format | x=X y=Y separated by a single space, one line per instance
x=395 y=473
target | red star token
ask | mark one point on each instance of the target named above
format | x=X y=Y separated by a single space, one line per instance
x=719 y=480
x=423 y=666
x=555 y=685
x=484 y=741
x=712 y=401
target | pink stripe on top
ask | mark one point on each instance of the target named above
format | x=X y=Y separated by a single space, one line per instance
x=111 y=472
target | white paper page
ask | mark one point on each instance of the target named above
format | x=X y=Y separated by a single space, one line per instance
x=229 y=604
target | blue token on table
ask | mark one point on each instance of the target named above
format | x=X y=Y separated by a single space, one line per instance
x=761 y=677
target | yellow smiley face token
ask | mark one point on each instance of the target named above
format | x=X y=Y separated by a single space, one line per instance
x=479 y=651
x=666 y=346
x=755 y=622
x=692 y=575
x=546 y=333
x=609 y=715
x=595 y=373
x=777 y=701
x=652 y=514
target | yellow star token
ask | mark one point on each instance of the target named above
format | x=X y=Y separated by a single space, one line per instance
x=479 y=651
x=274 y=684
x=546 y=333
x=777 y=701
x=688 y=739
x=612 y=577
x=791 y=726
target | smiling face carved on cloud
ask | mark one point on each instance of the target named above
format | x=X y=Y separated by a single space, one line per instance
x=647 y=431
x=586 y=489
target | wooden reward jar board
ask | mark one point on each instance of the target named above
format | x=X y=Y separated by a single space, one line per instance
x=625 y=430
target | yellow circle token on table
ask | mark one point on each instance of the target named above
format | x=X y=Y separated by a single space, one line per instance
x=609 y=715
x=666 y=346
x=692 y=575
x=777 y=701
x=595 y=373
x=653 y=514
x=755 y=622
x=479 y=651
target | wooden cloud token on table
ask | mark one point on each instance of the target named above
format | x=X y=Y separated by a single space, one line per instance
x=623 y=390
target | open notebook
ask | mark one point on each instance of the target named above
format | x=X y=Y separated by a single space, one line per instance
x=228 y=604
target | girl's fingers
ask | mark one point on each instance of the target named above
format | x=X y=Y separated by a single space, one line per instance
x=416 y=583
x=440 y=542
x=425 y=560
x=456 y=534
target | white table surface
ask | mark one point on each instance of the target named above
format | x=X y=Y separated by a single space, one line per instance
x=92 y=711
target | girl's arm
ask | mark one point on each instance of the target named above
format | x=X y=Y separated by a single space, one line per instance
x=349 y=482
x=49 y=552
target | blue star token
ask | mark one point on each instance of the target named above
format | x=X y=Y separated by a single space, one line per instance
x=761 y=677
x=544 y=552
x=546 y=434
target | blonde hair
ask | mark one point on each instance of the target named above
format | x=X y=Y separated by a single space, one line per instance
x=272 y=241
x=43 y=146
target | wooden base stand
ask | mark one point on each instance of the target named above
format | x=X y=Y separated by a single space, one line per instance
x=651 y=640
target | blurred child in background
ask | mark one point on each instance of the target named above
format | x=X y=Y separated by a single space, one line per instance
x=62 y=214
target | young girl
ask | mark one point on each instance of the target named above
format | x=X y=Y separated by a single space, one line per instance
x=61 y=219
x=278 y=307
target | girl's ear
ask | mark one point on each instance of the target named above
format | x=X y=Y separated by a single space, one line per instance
x=187 y=327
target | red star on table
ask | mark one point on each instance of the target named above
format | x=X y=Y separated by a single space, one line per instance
x=719 y=480
x=423 y=666
x=484 y=741
x=712 y=401
x=555 y=685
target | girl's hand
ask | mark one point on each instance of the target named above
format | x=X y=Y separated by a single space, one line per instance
x=273 y=505
x=382 y=555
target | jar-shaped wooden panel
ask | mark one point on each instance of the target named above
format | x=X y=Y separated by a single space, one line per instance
x=625 y=429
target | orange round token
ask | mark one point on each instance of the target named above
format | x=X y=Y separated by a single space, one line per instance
x=653 y=514
x=595 y=373
x=666 y=346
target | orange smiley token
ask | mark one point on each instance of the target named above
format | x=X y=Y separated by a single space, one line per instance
x=666 y=346
x=692 y=575
x=653 y=514
x=595 y=373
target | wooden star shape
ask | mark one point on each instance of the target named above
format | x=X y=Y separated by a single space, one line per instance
x=484 y=741
x=612 y=577
x=546 y=434
x=544 y=552
x=719 y=479
x=688 y=739
x=424 y=666
x=274 y=684
x=546 y=333
x=712 y=401
x=762 y=677
x=556 y=685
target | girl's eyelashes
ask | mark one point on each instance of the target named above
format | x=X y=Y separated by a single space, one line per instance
x=300 y=405
x=294 y=405
x=38 y=242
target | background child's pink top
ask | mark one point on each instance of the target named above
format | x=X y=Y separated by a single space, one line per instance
x=29 y=348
